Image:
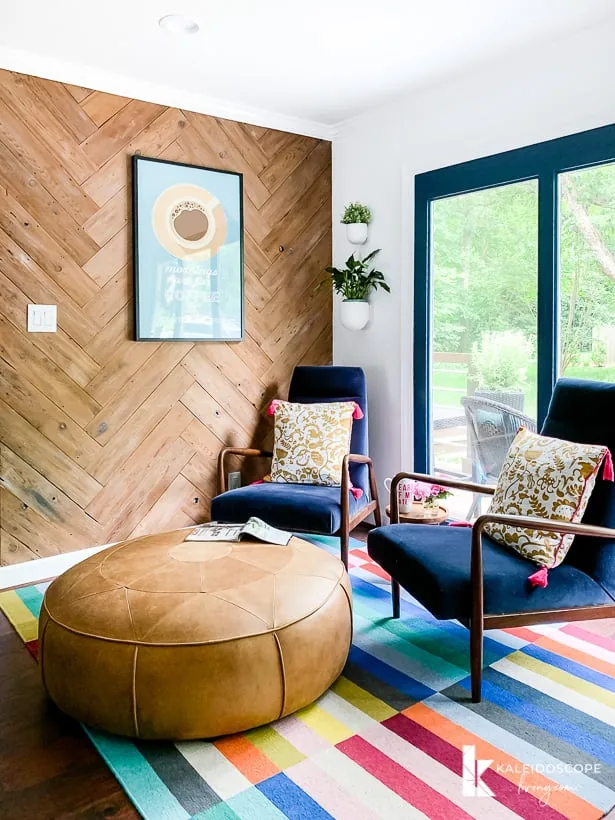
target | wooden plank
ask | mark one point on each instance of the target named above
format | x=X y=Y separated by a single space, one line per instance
x=37 y=368
x=56 y=221
x=246 y=144
x=168 y=466
x=110 y=259
x=100 y=107
x=204 y=442
x=63 y=106
x=273 y=141
x=176 y=508
x=43 y=537
x=110 y=219
x=23 y=271
x=225 y=358
x=210 y=131
x=16 y=94
x=296 y=184
x=117 y=132
x=26 y=232
x=151 y=142
x=117 y=495
x=41 y=454
x=13 y=551
x=221 y=388
x=113 y=336
x=17 y=135
x=78 y=92
x=47 y=418
x=283 y=163
x=123 y=403
x=140 y=424
x=32 y=489
x=316 y=202
x=60 y=348
x=210 y=413
x=201 y=472
x=116 y=372
x=254 y=356
x=110 y=299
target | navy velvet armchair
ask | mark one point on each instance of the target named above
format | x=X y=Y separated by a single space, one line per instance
x=460 y=573
x=306 y=507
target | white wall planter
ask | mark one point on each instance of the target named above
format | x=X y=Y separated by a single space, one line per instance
x=356 y=232
x=354 y=313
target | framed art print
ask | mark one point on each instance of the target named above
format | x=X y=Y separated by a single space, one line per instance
x=188 y=252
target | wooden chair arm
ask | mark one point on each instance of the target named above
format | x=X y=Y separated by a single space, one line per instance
x=476 y=558
x=235 y=451
x=454 y=483
x=356 y=458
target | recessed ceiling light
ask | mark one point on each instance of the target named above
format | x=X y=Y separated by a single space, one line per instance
x=178 y=24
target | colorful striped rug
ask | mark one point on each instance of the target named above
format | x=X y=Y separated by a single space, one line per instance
x=388 y=739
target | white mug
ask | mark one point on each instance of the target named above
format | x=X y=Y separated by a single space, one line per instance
x=405 y=493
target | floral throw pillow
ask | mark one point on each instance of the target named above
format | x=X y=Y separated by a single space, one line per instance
x=545 y=478
x=310 y=441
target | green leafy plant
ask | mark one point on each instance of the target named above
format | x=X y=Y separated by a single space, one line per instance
x=500 y=361
x=356 y=280
x=355 y=212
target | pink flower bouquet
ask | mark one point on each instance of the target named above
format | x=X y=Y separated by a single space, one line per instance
x=429 y=493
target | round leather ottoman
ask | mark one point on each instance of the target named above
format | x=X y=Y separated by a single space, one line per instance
x=160 y=638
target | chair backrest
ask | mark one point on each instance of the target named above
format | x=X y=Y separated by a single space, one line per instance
x=584 y=411
x=310 y=384
x=492 y=427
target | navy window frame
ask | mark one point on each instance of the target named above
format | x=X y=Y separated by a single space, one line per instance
x=543 y=162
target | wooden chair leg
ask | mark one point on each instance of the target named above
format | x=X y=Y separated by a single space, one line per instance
x=344 y=541
x=476 y=658
x=395 y=596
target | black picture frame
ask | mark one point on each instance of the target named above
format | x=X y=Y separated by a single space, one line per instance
x=140 y=334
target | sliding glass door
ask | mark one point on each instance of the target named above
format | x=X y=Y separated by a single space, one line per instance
x=514 y=285
x=587 y=273
x=484 y=308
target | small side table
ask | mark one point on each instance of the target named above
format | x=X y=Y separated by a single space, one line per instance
x=409 y=518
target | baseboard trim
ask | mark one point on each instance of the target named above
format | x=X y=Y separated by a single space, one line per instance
x=35 y=572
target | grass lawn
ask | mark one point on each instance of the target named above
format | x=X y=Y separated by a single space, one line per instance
x=449 y=386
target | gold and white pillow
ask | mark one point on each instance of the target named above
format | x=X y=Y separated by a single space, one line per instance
x=545 y=478
x=310 y=442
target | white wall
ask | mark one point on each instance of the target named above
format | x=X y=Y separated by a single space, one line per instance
x=565 y=87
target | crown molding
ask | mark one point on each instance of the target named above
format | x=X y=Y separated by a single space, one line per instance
x=125 y=86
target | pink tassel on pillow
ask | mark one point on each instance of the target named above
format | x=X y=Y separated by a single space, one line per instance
x=607 y=475
x=357 y=412
x=357 y=492
x=272 y=408
x=540 y=578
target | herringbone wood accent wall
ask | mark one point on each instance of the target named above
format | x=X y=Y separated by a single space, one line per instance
x=101 y=437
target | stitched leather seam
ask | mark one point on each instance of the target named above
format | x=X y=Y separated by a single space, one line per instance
x=277 y=640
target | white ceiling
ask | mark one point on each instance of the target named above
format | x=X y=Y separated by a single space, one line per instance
x=319 y=61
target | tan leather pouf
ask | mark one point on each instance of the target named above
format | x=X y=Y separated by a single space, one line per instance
x=161 y=638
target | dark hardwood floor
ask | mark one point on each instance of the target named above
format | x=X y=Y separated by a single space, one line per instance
x=48 y=768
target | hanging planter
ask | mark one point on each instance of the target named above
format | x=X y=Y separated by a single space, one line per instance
x=356 y=218
x=354 y=313
x=354 y=283
x=356 y=232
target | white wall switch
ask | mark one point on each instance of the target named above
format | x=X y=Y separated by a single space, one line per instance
x=234 y=481
x=42 y=318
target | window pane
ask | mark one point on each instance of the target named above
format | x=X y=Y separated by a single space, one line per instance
x=587 y=273
x=484 y=273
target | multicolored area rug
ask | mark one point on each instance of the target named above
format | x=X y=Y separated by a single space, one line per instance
x=397 y=737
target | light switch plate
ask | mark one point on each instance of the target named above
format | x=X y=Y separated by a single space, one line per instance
x=234 y=480
x=42 y=318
